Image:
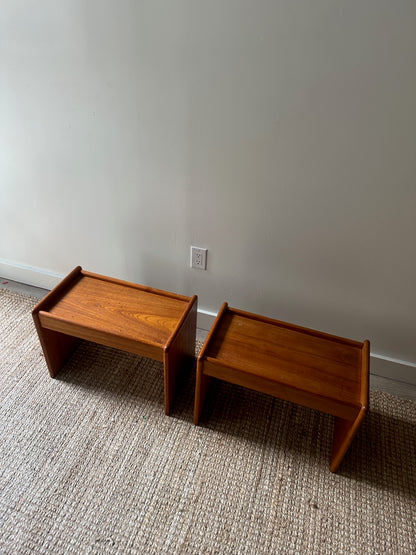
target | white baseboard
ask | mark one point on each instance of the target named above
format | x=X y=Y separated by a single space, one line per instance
x=205 y=319
x=392 y=368
x=29 y=275
x=380 y=365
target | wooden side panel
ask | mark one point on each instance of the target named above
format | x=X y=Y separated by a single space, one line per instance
x=202 y=385
x=203 y=381
x=179 y=353
x=345 y=430
x=56 y=346
x=344 y=433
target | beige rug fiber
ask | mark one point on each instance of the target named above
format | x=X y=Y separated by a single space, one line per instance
x=89 y=463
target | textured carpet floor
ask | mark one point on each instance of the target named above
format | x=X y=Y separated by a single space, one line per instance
x=89 y=463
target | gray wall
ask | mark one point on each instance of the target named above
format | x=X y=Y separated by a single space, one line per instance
x=281 y=135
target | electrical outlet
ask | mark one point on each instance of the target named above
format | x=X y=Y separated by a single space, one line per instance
x=198 y=258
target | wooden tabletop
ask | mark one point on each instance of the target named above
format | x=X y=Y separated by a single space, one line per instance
x=118 y=308
x=296 y=357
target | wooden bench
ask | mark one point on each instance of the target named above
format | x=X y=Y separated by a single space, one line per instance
x=304 y=366
x=141 y=320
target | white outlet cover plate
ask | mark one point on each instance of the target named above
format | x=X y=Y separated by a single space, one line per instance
x=199 y=258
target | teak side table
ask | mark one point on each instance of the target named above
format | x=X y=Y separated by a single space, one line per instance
x=134 y=318
x=304 y=366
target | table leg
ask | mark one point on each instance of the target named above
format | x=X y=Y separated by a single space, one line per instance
x=179 y=355
x=56 y=346
x=201 y=389
x=344 y=433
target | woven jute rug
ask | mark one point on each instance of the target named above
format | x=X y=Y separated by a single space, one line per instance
x=89 y=463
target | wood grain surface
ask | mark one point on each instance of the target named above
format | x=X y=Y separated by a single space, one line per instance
x=113 y=309
x=301 y=365
x=149 y=322
x=268 y=351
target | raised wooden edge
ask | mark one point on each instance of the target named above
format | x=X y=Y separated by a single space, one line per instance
x=57 y=323
x=350 y=408
x=365 y=375
x=137 y=286
x=214 y=328
x=171 y=339
x=57 y=292
x=295 y=327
